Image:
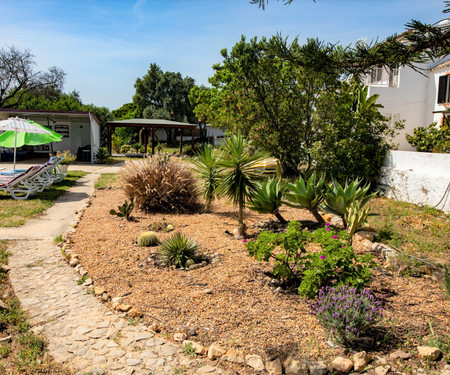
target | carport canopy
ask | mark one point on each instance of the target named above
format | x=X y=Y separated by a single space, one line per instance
x=152 y=124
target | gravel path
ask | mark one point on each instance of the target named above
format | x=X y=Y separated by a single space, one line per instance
x=81 y=332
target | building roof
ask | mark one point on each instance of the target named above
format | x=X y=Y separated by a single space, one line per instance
x=441 y=65
x=44 y=112
x=150 y=123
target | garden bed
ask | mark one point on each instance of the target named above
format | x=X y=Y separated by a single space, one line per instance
x=233 y=300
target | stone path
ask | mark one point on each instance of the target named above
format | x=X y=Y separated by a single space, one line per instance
x=81 y=332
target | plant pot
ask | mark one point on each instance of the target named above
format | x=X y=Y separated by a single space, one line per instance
x=63 y=168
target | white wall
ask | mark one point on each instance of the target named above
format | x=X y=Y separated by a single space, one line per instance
x=417 y=177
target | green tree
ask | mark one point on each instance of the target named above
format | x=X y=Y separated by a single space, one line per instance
x=238 y=176
x=127 y=111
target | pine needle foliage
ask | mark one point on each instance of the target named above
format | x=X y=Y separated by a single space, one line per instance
x=159 y=183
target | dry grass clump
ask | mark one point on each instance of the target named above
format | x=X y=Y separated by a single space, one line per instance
x=161 y=184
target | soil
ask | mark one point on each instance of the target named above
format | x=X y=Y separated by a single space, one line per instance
x=233 y=299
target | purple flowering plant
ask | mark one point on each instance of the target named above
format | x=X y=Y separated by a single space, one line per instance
x=347 y=313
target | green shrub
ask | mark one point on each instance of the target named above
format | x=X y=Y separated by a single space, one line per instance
x=431 y=138
x=180 y=251
x=347 y=312
x=69 y=158
x=148 y=239
x=160 y=183
x=268 y=198
x=101 y=155
x=124 y=149
x=135 y=147
x=307 y=195
x=335 y=264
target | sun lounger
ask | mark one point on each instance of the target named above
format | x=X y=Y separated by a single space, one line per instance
x=21 y=184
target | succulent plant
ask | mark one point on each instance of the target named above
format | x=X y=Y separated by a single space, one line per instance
x=180 y=251
x=124 y=210
x=148 y=239
x=268 y=198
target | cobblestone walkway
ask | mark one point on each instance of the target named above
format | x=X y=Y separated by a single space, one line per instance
x=82 y=333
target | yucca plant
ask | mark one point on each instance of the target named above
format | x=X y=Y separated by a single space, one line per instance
x=339 y=199
x=268 y=198
x=180 y=251
x=208 y=171
x=355 y=216
x=238 y=176
x=124 y=210
x=101 y=155
x=307 y=194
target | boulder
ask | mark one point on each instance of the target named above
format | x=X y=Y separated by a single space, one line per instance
x=382 y=370
x=234 y=356
x=399 y=354
x=317 y=368
x=428 y=352
x=293 y=366
x=274 y=367
x=215 y=351
x=341 y=364
x=360 y=361
x=364 y=235
x=255 y=361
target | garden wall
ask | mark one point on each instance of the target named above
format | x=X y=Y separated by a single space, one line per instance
x=417 y=177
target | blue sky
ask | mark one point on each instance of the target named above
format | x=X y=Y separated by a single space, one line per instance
x=104 y=45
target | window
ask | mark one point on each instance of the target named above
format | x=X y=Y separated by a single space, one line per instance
x=376 y=75
x=444 y=89
x=393 y=77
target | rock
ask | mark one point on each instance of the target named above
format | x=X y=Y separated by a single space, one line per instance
x=386 y=251
x=234 y=356
x=88 y=282
x=82 y=271
x=341 y=364
x=382 y=370
x=207 y=291
x=360 y=361
x=255 y=361
x=364 y=245
x=179 y=336
x=134 y=313
x=155 y=327
x=169 y=228
x=336 y=221
x=99 y=290
x=206 y=370
x=133 y=361
x=399 y=354
x=105 y=297
x=295 y=367
x=199 y=348
x=74 y=262
x=215 y=351
x=123 y=308
x=4 y=268
x=364 y=235
x=428 y=352
x=274 y=367
x=317 y=368
x=381 y=361
x=327 y=217
x=445 y=370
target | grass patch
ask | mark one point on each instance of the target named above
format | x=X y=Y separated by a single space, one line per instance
x=14 y=213
x=26 y=353
x=422 y=232
x=106 y=180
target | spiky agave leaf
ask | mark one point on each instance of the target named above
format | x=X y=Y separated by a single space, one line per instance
x=268 y=198
x=180 y=251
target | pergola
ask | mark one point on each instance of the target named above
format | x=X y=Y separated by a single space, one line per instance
x=152 y=124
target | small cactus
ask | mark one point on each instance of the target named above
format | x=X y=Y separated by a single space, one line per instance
x=148 y=239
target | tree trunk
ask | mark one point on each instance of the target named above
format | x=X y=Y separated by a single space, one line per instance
x=241 y=225
x=317 y=216
x=279 y=217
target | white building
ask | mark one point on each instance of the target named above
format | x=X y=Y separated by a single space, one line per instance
x=80 y=131
x=419 y=99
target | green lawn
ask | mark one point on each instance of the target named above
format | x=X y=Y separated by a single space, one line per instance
x=106 y=181
x=14 y=213
x=423 y=232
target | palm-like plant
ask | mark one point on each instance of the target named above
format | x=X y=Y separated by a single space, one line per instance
x=339 y=199
x=307 y=194
x=208 y=171
x=268 y=198
x=238 y=175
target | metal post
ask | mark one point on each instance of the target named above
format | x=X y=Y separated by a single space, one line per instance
x=181 y=141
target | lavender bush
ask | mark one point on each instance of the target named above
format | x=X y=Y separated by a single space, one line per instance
x=347 y=312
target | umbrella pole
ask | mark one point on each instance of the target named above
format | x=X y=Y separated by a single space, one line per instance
x=15 y=143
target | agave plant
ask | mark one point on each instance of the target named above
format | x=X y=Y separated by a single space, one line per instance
x=238 y=176
x=309 y=195
x=355 y=216
x=268 y=198
x=208 y=171
x=339 y=199
x=180 y=251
